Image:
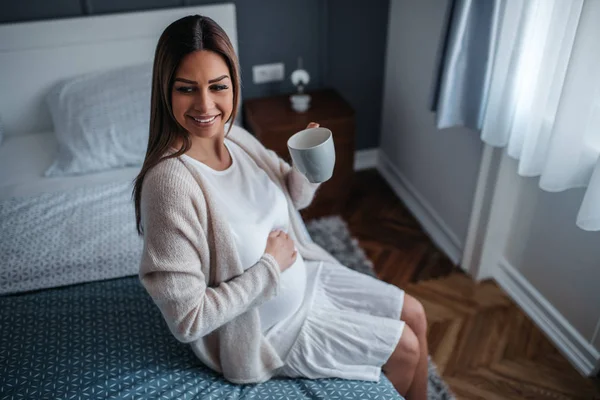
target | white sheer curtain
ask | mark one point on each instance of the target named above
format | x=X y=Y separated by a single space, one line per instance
x=544 y=96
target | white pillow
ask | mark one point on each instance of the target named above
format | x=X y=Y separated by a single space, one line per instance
x=101 y=120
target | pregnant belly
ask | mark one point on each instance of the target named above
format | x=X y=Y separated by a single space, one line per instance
x=290 y=297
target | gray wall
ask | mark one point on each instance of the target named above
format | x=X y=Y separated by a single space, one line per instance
x=342 y=46
x=441 y=165
x=356 y=47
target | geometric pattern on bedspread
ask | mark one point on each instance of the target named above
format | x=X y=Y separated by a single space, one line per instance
x=57 y=239
x=107 y=340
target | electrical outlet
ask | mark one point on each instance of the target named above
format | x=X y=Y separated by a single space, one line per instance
x=268 y=73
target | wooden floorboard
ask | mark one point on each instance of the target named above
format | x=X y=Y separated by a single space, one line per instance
x=485 y=347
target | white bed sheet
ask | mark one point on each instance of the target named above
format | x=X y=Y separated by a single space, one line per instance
x=25 y=158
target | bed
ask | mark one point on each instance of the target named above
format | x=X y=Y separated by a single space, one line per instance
x=75 y=322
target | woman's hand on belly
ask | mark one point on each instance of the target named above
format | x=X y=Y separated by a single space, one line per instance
x=282 y=248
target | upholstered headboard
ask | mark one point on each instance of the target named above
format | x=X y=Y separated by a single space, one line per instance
x=36 y=55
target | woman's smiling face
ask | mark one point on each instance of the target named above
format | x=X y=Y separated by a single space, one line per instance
x=202 y=96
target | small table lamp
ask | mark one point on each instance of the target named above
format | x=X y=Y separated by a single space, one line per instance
x=300 y=78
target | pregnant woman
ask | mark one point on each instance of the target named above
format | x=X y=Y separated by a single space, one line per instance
x=225 y=257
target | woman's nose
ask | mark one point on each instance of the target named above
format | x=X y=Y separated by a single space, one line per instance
x=203 y=101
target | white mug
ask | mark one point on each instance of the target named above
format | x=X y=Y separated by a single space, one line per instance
x=313 y=153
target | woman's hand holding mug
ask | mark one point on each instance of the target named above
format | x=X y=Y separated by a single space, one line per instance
x=313 y=152
x=282 y=248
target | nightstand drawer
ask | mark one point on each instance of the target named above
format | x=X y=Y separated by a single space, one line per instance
x=343 y=133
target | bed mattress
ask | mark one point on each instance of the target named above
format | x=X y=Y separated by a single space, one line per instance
x=107 y=340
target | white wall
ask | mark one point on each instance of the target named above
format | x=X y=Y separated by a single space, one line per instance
x=439 y=167
x=560 y=260
x=534 y=250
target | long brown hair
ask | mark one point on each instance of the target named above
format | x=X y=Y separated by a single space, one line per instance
x=182 y=37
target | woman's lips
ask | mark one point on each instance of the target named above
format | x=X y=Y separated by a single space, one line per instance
x=199 y=121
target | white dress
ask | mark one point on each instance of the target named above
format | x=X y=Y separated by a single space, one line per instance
x=328 y=320
x=255 y=206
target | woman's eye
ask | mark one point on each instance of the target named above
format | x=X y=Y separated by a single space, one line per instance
x=190 y=89
x=185 y=89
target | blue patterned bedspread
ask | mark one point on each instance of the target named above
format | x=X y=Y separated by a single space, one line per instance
x=107 y=340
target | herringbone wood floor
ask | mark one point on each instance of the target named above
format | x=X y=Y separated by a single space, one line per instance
x=484 y=345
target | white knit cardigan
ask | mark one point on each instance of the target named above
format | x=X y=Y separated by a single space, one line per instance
x=191 y=269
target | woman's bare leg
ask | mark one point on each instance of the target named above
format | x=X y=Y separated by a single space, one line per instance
x=402 y=364
x=413 y=314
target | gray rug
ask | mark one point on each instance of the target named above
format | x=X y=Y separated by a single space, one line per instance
x=333 y=235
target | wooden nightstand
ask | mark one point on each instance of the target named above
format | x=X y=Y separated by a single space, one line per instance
x=273 y=121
